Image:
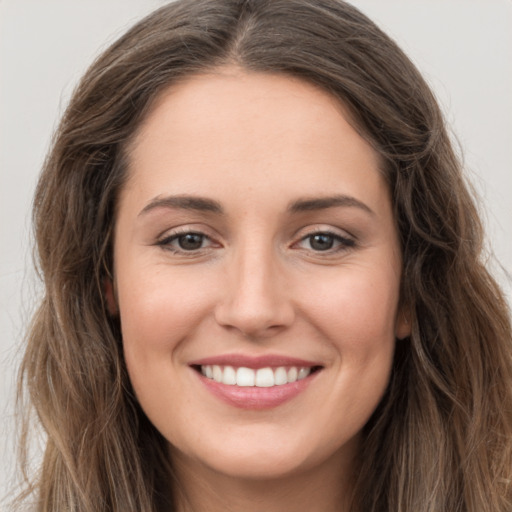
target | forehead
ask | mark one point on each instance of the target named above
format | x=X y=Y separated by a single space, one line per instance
x=248 y=129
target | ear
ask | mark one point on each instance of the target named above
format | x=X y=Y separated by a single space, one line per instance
x=403 y=323
x=110 y=296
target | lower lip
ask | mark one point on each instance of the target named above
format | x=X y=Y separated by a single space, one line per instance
x=256 y=398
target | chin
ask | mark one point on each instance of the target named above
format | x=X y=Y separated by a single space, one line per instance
x=257 y=466
x=260 y=457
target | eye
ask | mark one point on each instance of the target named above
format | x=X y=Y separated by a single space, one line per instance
x=190 y=241
x=185 y=242
x=325 y=242
x=321 y=241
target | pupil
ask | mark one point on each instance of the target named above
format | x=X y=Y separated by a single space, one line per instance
x=190 y=241
x=322 y=242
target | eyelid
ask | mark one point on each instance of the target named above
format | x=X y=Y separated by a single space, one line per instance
x=164 y=239
x=173 y=236
x=346 y=240
x=183 y=229
x=314 y=229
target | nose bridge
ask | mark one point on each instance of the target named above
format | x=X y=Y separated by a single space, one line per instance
x=255 y=301
x=253 y=274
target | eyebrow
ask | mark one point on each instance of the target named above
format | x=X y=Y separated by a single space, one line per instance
x=201 y=204
x=204 y=204
x=322 y=203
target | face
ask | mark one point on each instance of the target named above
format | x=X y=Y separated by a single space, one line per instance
x=257 y=274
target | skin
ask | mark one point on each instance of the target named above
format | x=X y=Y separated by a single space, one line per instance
x=255 y=144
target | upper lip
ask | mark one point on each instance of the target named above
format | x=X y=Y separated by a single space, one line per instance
x=254 y=362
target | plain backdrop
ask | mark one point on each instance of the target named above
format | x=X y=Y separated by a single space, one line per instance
x=463 y=48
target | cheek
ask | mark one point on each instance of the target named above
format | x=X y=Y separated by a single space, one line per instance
x=356 y=308
x=357 y=317
x=355 y=312
x=159 y=309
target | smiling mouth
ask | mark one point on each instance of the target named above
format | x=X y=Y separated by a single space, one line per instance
x=261 y=378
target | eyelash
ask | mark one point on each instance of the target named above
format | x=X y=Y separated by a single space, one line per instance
x=341 y=243
x=166 y=242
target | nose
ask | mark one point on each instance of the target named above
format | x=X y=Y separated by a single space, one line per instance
x=255 y=300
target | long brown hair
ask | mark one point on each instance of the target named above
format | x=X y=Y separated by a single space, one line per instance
x=441 y=439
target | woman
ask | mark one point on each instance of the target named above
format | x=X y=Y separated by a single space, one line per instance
x=264 y=286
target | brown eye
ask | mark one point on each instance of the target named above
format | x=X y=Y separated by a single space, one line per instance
x=185 y=242
x=321 y=241
x=324 y=241
x=190 y=241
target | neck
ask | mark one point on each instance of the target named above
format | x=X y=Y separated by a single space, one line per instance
x=323 y=488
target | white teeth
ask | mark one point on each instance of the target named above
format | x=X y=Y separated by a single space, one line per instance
x=280 y=376
x=247 y=377
x=217 y=373
x=229 y=376
x=292 y=374
x=264 y=378
x=303 y=373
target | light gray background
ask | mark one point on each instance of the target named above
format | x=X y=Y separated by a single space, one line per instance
x=463 y=47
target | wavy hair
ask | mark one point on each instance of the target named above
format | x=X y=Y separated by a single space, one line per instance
x=441 y=439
